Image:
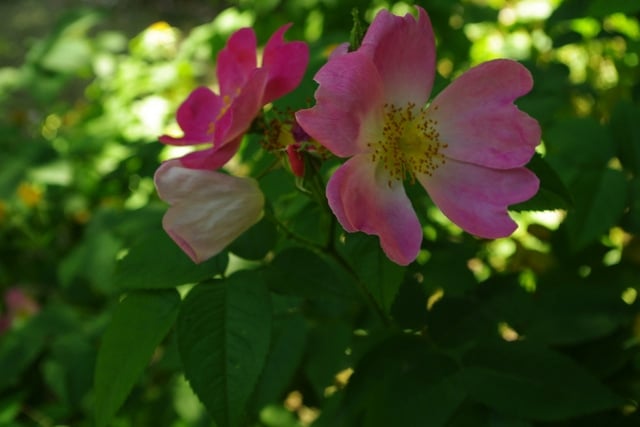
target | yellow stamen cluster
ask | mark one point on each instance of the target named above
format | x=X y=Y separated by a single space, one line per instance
x=410 y=143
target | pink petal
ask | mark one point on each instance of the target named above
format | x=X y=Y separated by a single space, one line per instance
x=349 y=101
x=208 y=210
x=211 y=158
x=476 y=198
x=236 y=61
x=285 y=63
x=195 y=116
x=476 y=116
x=363 y=199
x=403 y=50
x=242 y=110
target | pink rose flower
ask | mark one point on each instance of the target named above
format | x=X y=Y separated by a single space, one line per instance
x=467 y=148
x=209 y=209
x=222 y=119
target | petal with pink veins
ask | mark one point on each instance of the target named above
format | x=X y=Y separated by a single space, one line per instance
x=363 y=199
x=349 y=101
x=208 y=209
x=477 y=119
x=404 y=52
x=285 y=62
x=476 y=198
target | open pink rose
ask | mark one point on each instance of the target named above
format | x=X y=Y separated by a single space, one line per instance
x=222 y=119
x=467 y=148
x=208 y=209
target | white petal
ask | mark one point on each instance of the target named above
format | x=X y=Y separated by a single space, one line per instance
x=208 y=209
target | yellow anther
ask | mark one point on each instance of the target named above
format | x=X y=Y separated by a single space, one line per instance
x=410 y=143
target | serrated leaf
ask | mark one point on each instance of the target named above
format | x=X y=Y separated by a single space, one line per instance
x=532 y=382
x=600 y=200
x=223 y=332
x=139 y=324
x=552 y=193
x=156 y=262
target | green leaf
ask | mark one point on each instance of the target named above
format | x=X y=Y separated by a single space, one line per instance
x=578 y=145
x=70 y=368
x=458 y=322
x=600 y=200
x=156 y=262
x=552 y=193
x=139 y=324
x=300 y=272
x=381 y=277
x=326 y=353
x=403 y=381
x=626 y=135
x=568 y=315
x=631 y=219
x=256 y=242
x=528 y=381
x=19 y=348
x=224 y=330
x=286 y=352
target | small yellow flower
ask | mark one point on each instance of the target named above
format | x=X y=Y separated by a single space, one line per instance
x=29 y=194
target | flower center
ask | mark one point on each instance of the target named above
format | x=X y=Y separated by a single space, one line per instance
x=410 y=143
